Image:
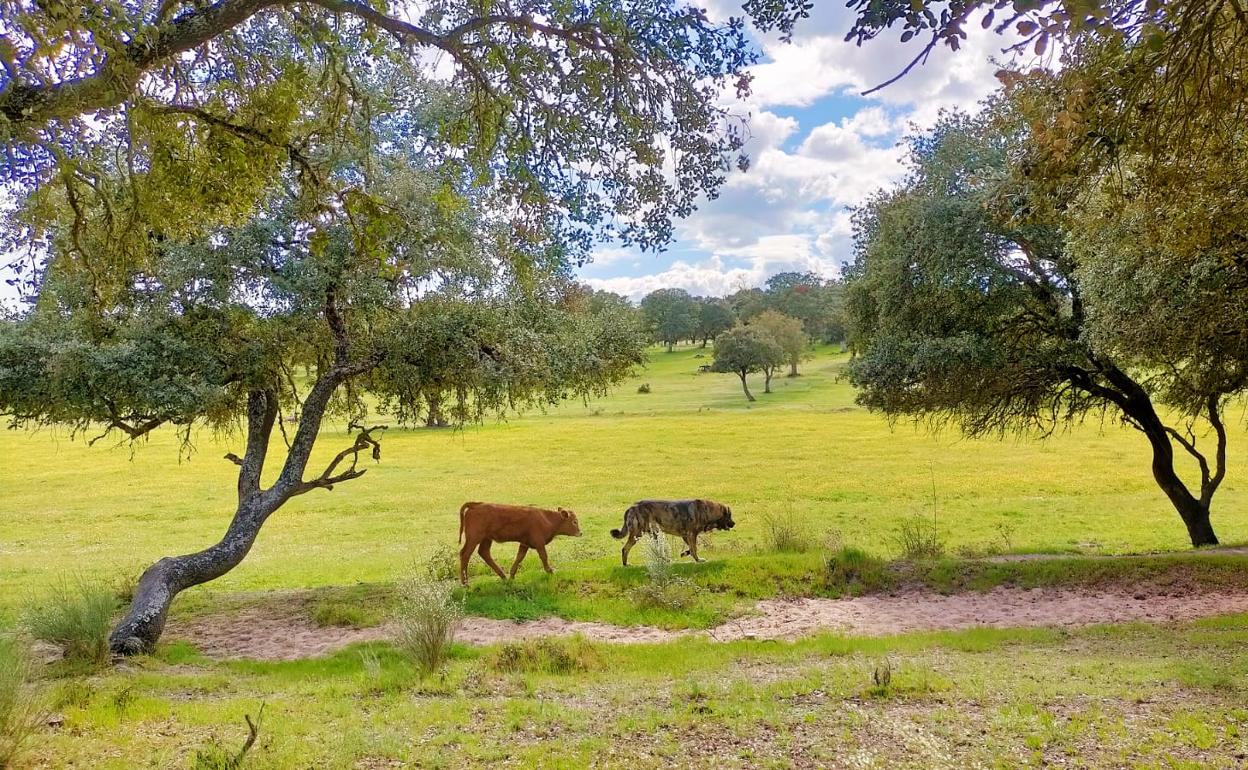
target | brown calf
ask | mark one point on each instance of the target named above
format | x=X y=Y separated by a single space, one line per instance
x=483 y=524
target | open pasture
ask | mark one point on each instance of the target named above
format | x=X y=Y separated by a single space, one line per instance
x=805 y=450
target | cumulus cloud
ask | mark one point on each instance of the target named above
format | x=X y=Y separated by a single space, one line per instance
x=790 y=210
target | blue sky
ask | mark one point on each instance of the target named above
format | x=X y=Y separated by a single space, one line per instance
x=817 y=147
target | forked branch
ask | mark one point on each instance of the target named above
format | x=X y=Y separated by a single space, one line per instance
x=364 y=441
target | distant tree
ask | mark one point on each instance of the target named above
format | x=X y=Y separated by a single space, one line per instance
x=714 y=316
x=804 y=296
x=743 y=350
x=671 y=315
x=747 y=303
x=788 y=333
x=980 y=296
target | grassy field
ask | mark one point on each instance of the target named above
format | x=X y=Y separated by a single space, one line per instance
x=805 y=450
x=1128 y=696
x=1168 y=696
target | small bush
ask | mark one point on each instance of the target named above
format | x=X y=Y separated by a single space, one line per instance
x=917 y=539
x=881 y=677
x=546 y=655
x=441 y=564
x=76 y=617
x=664 y=589
x=338 y=614
x=644 y=388
x=786 y=532
x=20 y=704
x=427 y=614
x=852 y=571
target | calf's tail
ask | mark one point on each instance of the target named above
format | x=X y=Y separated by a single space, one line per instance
x=462 y=509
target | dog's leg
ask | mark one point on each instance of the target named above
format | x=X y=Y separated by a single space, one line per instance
x=693 y=546
x=628 y=546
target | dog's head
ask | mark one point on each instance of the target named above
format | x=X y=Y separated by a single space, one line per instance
x=725 y=519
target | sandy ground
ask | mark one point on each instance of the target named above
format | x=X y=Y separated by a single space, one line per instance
x=271 y=632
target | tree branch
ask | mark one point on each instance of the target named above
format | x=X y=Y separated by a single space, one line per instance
x=261 y=414
x=328 y=478
x=1215 y=419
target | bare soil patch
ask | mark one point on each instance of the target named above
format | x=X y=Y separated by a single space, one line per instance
x=274 y=631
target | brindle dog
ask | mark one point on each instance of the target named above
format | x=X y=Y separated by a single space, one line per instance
x=685 y=518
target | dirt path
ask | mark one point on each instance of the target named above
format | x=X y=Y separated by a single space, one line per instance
x=286 y=633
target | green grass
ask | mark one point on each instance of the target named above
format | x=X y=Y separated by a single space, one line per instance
x=806 y=449
x=1132 y=695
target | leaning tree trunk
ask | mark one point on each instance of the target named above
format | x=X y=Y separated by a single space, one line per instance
x=1193 y=510
x=160 y=584
x=745 y=386
x=143 y=624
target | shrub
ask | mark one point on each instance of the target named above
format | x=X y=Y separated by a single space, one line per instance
x=546 y=655
x=918 y=539
x=76 y=617
x=852 y=571
x=664 y=589
x=339 y=614
x=442 y=563
x=786 y=532
x=427 y=614
x=20 y=709
x=644 y=388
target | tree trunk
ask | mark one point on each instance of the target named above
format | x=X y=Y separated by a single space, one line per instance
x=670 y=345
x=143 y=624
x=1193 y=510
x=793 y=369
x=1195 y=514
x=434 y=418
x=745 y=386
x=767 y=379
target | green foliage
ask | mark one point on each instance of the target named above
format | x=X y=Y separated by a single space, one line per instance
x=671 y=315
x=852 y=571
x=546 y=655
x=918 y=539
x=76 y=616
x=787 y=532
x=715 y=316
x=746 y=349
x=971 y=301
x=427 y=615
x=788 y=334
x=21 y=708
x=663 y=588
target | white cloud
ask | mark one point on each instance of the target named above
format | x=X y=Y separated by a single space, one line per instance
x=790 y=210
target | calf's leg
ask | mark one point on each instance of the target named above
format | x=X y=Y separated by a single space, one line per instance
x=484 y=550
x=520 y=554
x=541 y=551
x=465 y=555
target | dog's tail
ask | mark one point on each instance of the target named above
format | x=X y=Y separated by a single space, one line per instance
x=618 y=534
x=462 y=510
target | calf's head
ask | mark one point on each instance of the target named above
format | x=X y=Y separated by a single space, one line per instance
x=568 y=525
